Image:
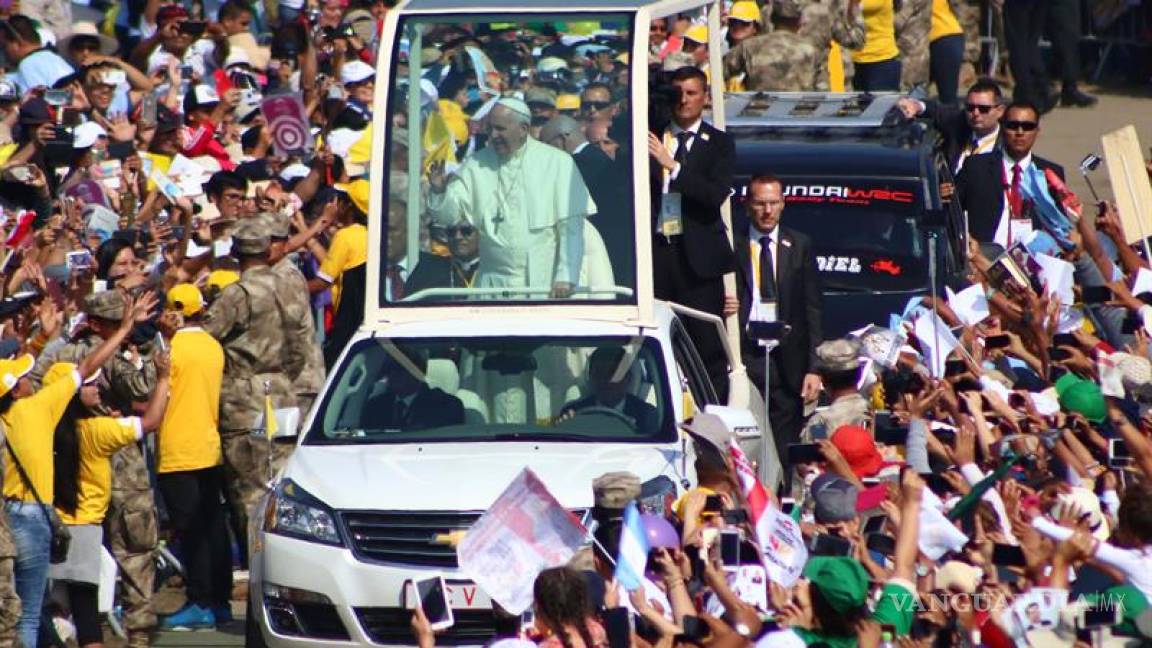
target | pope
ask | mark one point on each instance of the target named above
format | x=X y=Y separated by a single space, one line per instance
x=527 y=200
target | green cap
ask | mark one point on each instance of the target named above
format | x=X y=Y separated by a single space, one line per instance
x=842 y=581
x=1081 y=396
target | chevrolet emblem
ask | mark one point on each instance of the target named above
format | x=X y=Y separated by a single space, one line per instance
x=450 y=539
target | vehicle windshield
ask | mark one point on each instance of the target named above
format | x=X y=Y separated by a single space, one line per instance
x=866 y=234
x=509 y=177
x=435 y=390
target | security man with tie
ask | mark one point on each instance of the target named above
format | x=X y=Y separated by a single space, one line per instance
x=777 y=280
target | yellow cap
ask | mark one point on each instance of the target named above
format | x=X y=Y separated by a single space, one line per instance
x=185 y=298
x=220 y=279
x=697 y=34
x=12 y=370
x=745 y=10
x=568 y=102
x=357 y=190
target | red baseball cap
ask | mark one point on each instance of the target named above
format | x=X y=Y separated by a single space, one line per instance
x=168 y=13
x=859 y=450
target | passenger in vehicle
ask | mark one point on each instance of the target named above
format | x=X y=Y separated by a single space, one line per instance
x=527 y=200
x=611 y=392
x=407 y=402
x=455 y=271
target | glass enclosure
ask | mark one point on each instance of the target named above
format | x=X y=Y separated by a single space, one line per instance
x=509 y=170
x=429 y=390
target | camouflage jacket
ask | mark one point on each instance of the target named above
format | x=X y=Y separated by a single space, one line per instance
x=779 y=61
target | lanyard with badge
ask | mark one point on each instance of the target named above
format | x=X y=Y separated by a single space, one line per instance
x=671 y=203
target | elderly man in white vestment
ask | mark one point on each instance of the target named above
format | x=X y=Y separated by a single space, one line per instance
x=528 y=201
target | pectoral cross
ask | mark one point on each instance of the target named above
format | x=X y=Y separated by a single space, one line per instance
x=497 y=220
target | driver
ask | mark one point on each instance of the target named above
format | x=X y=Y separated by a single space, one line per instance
x=408 y=402
x=612 y=395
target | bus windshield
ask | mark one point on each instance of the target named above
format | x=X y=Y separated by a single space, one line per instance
x=509 y=177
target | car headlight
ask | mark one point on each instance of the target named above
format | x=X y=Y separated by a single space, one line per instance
x=293 y=511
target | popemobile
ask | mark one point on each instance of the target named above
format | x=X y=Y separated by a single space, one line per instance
x=550 y=352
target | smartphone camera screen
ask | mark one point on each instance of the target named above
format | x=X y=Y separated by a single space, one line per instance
x=434 y=601
x=730 y=548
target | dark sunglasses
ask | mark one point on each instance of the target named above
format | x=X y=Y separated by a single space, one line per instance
x=980 y=108
x=463 y=230
x=595 y=105
x=1026 y=126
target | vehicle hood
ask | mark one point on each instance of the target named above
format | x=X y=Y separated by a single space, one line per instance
x=465 y=476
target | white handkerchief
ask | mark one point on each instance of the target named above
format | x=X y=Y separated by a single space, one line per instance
x=970 y=304
x=1057 y=274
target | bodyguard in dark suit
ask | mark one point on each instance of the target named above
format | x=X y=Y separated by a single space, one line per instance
x=777 y=265
x=409 y=403
x=691 y=177
x=992 y=187
x=970 y=129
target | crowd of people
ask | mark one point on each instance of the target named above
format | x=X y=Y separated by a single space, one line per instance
x=178 y=274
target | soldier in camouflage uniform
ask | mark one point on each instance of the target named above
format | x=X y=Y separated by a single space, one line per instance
x=131 y=525
x=294 y=289
x=779 y=61
x=913 y=23
x=10 y=607
x=839 y=368
x=264 y=353
x=825 y=21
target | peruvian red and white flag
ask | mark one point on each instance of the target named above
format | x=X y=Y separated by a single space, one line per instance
x=777 y=534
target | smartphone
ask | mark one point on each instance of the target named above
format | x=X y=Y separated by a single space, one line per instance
x=1098 y=617
x=1096 y=294
x=57 y=97
x=1118 y=454
x=120 y=150
x=730 y=547
x=159 y=342
x=735 y=516
x=824 y=544
x=893 y=436
x=1065 y=339
x=997 y=342
x=432 y=597
x=874 y=524
x=148 y=110
x=694 y=630
x=818 y=430
x=1059 y=355
x=881 y=543
x=194 y=28
x=967 y=383
x=713 y=504
x=937 y=484
x=1007 y=555
x=787 y=504
x=954 y=367
x=802 y=453
x=78 y=260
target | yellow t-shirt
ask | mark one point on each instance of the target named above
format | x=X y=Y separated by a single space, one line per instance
x=944 y=22
x=349 y=248
x=880 y=33
x=100 y=438
x=189 y=437
x=31 y=425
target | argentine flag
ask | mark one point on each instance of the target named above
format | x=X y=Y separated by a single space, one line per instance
x=633 y=555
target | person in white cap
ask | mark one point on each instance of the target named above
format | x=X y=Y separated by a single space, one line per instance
x=526 y=198
x=359 y=81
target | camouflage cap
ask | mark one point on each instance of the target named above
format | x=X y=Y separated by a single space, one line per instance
x=106 y=305
x=279 y=226
x=540 y=96
x=615 y=489
x=787 y=9
x=838 y=355
x=250 y=236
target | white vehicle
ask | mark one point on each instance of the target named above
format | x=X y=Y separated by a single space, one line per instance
x=447 y=392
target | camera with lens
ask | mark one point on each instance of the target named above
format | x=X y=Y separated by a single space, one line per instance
x=663 y=96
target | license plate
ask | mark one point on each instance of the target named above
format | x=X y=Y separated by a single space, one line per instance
x=466 y=595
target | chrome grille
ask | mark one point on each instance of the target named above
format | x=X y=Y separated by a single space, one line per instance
x=405 y=537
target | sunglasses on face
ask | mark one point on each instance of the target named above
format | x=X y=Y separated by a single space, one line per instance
x=463 y=230
x=1026 y=126
x=983 y=109
x=596 y=105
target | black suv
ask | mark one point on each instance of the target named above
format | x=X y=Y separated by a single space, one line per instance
x=864 y=184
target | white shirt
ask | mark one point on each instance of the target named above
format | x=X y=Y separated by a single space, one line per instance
x=754 y=236
x=982 y=145
x=402 y=266
x=40 y=68
x=672 y=141
x=581 y=147
x=1005 y=224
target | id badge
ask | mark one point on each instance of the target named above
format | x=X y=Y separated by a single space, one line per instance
x=764 y=312
x=671 y=223
x=1020 y=228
